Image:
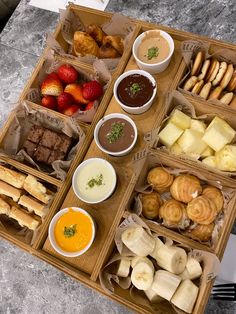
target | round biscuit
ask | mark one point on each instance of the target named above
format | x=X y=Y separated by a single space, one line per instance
x=220 y=74
x=232 y=83
x=197 y=63
x=190 y=83
x=227 y=77
x=204 y=69
x=215 y=93
x=205 y=91
x=197 y=87
x=227 y=98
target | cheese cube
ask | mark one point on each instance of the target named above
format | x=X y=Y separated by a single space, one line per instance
x=169 y=135
x=226 y=158
x=198 y=125
x=176 y=149
x=210 y=161
x=207 y=152
x=191 y=142
x=180 y=119
x=218 y=134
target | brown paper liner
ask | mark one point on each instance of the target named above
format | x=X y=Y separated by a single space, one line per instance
x=24 y=117
x=189 y=50
x=210 y=264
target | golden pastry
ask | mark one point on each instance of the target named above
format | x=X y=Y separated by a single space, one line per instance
x=115 y=41
x=172 y=212
x=202 y=210
x=201 y=232
x=160 y=179
x=107 y=51
x=96 y=32
x=185 y=187
x=84 y=44
x=215 y=195
x=151 y=204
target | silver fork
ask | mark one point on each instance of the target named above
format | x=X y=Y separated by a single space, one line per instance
x=224 y=292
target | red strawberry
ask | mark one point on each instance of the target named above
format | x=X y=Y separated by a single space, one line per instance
x=71 y=110
x=67 y=73
x=89 y=105
x=49 y=102
x=51 y=86
x=53 y=75
x=64 y=101
x=92 y=90
x=76 y=91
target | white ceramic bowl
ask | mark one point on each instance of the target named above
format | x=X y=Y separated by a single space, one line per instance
x=52 y=236
x=100 y=197
x=108 y=117
x=145 y=107
x=155 y=67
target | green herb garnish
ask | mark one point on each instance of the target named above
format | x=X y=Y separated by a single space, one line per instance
x=70 y=231
x=117 y=130
x=95 y=181
x=135 y=87
x=153 y=52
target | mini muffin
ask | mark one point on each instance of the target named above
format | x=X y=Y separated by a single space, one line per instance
x=160 y=179
x=202 y=210
x=202 y=233
x=150 y=205
x=173 y=213
x=215 y=195
x=185 y=188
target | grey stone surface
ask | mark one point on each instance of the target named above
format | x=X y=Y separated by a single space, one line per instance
x=27 y=284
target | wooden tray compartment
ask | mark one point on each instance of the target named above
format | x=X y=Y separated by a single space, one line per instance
x=154 y=158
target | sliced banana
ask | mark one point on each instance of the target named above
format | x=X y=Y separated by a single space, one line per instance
x=158 y=244
x=165 y=284
x=185 y=296
x=138 y=241
x=142 y=274
x=171 y=258
x=152 y=296
x=123 y=268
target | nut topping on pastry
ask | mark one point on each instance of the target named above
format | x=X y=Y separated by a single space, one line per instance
x=160 y=179
x=185 y=188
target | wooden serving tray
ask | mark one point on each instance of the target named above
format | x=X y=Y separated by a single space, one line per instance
x=110 y=213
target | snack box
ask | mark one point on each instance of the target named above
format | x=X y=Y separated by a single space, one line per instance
x=107 y=216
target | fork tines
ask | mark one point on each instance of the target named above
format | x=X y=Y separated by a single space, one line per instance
x=225 y=292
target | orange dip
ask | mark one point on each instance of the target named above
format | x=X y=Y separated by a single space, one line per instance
x=73 y=231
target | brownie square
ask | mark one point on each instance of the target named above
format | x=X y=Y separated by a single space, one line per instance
x=35 y=134
x=65 y=143
x=30 y=147
x=49 y=139
x=42 y=154
x=56 y=155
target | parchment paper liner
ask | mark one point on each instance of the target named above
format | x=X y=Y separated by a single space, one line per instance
x=175 y=100
x=27 y=236
x=142 y=166
x=51 y=63
x=209 y=261
x=25 y=117
x=189 y=49
x=118 y=25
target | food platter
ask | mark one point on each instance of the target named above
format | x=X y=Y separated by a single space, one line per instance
x=111 y=212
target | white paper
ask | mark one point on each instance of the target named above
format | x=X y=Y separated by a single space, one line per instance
x=55 y=5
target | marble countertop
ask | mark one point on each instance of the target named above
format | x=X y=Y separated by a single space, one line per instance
x=27 y=284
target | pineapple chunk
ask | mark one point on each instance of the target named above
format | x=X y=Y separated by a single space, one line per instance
x=218 y=134
x=207 y=152
x=176 y=149
x=191 y=142
x=170 y=134
x=226 y=158
x=180 y=119
x=210 y=161
x=198 y=125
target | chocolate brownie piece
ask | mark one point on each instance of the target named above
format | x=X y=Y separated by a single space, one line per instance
x=49 y=139
x=35 y=134
x=55 y=155
x=30 y=147
x=65 y=143
x=42 y=154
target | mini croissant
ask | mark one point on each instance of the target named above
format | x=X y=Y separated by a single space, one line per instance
x=160 y=179
x=96 y=32
x=84 y=44
x=151 y=204
x=114 y=41
x=172 y=212
x=215 y=195
x=201 y=232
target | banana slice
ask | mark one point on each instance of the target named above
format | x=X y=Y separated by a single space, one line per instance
x=158 y=244
x=192 y=270
x=124 y=266
x=171 y=258
x=138 y=241
x=185 y=296
x=142 y=274
x=152 y=296
x=165 y=284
